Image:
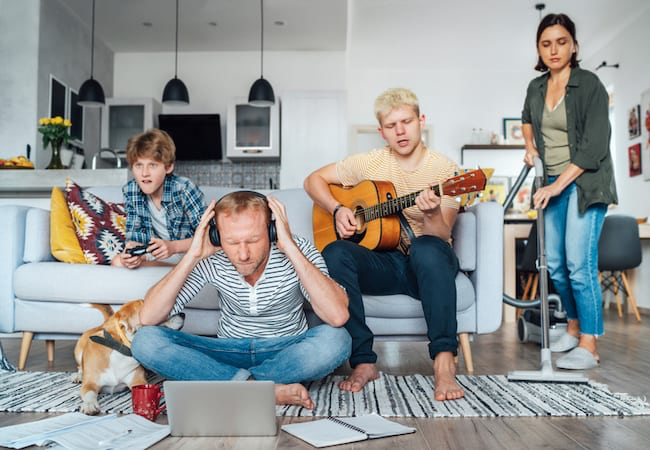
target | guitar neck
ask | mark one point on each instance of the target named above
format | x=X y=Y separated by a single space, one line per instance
x=394 y=205
x=465 y=183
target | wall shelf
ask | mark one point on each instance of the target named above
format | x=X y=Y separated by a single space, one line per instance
x=488 y=147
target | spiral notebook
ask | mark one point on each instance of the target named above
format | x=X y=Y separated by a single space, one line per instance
x=342 y=430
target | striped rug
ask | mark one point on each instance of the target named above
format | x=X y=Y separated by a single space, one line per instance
x=390 y=396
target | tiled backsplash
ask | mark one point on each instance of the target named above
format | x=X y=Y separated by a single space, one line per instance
x=245 y=175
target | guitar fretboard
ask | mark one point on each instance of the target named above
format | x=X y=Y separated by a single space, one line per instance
x=395 y=205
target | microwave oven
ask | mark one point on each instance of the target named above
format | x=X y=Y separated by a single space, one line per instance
x=253 y=132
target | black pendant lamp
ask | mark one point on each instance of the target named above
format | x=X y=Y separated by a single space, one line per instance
x=175 y=92
x=261 y=93
x=91 y=93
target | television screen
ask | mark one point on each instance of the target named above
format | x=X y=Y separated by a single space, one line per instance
x=196 y=136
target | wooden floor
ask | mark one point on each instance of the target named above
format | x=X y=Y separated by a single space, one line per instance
x=625 y=367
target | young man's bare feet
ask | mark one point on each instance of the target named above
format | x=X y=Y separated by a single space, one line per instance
x=293 y=394
x=444 y=372
x=360 y=376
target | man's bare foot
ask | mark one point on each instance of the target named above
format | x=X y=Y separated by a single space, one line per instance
x=444 y=371
x=293 y=394
x=360 y=376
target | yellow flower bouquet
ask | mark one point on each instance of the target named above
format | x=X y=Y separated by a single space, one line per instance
x=56 y=132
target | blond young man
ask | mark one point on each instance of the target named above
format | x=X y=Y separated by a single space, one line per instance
x=162 y=209
x=425 y=268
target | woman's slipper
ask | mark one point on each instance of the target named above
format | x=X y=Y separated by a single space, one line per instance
x=564 y=343
x=577 y=359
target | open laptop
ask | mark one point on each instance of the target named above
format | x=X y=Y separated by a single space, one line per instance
x=221 y=408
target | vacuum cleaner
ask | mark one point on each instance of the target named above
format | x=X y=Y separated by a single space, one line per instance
x=531 y=330
x=529 y=324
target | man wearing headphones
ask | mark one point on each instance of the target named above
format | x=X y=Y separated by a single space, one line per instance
x=262 y=273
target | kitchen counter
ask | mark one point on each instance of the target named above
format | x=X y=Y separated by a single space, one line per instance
x=38 y=183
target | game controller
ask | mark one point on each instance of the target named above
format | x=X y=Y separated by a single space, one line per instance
x=137 y=251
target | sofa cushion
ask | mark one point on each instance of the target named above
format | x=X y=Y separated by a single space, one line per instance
x=100 y=225
x=95 y=284
x=464 y=234
x=403 y=306
x=64 y=244
x=37 y=236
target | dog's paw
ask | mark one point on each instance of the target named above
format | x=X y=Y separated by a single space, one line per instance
x=90 y=408
x=90 y=404
x=76 y=377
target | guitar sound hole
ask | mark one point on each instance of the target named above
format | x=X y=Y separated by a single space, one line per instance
x=360 y=233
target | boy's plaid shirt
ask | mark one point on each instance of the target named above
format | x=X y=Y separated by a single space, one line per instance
x=182 y=201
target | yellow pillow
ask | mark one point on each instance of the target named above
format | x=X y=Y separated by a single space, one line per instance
x=64 y=244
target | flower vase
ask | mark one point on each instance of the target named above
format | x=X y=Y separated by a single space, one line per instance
x=55 y=160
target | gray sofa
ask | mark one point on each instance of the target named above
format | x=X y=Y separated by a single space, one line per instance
x=49 y=300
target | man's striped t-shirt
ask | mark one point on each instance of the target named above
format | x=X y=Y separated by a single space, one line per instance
x=271 y=308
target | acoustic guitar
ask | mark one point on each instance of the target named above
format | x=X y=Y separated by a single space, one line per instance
x=375 y=205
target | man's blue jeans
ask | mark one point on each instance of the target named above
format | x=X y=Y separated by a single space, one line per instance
x=176 y=355
x=428 y=273
x=572 y=257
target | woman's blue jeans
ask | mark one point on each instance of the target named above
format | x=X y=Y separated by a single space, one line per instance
x=572 y=257
x=176 y=355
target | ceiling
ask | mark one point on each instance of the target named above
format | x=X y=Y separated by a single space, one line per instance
x=308 y=24
x=322 y=25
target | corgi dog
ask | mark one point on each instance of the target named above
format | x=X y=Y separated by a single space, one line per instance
x=103 y=354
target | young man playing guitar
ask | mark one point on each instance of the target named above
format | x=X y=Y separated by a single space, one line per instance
x=424 y=267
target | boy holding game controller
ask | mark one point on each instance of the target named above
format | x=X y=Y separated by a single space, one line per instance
x=162 y=209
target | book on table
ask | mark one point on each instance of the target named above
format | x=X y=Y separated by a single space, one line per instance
x=342 y=430
x=79 y=431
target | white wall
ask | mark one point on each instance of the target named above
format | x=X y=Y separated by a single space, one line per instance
x=19 y=22
x=629 y=82
x=39 y=38
x=458 y=89
x=64 y=51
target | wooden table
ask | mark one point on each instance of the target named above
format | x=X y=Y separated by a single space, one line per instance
x=520 y=230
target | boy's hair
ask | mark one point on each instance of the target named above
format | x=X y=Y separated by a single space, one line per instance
x=154 y=144
x=394 y=98
x=239 y=201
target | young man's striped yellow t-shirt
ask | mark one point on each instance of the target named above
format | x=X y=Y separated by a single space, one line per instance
x=381 y=165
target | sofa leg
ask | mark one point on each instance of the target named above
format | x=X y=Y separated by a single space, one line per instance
x=467 y=351
x=25 y=345
x=49 y=344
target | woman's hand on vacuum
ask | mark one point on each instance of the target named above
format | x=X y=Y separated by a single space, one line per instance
x=531 y=153
x=544 y=195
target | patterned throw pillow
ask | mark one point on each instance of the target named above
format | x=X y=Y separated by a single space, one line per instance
x=64 y=244
x=100 y=225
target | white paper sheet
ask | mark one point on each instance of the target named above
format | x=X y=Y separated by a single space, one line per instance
x=73 y=432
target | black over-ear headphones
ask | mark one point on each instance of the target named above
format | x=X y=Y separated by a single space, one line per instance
x=214 y=232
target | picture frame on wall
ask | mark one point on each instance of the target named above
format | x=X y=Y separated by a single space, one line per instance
x=76 y=116
x=512 y=131
x=496 y=190
x=645 y=133
x=634 y=159
x=634 y=122
x=58 y=97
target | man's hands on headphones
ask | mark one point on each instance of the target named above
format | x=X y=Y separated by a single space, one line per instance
x=282 y=228
x=201 y=246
